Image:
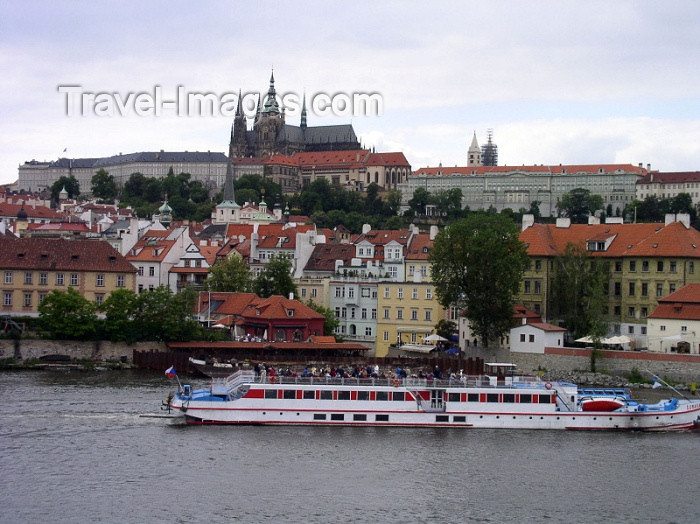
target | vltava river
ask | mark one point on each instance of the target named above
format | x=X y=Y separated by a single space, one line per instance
x=74 y=450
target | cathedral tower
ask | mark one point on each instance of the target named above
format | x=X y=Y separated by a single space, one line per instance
x=474 y=153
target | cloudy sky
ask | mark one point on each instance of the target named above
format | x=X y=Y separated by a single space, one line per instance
x=558 y=82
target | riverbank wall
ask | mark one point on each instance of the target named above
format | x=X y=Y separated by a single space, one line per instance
x=554 y=364
x=101 y=351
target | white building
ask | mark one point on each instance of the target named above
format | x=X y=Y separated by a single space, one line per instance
x=534 y=337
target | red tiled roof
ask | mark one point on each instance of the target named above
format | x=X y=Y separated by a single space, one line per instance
x=628 y=240
x=35 y=212
x=555 y=170
x=61 y=255
x=683 y=304
x=388 y=159
x=384 y=236
x=546 y=327
x=324 y=256
x=657 y=177
x=276 y=307
x=690 y=293
x=420 y=246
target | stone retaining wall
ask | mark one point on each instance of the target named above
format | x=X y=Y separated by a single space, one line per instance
x=26 y=349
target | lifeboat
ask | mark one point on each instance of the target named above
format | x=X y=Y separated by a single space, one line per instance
x=602 y=403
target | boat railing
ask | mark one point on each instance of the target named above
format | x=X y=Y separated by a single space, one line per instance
x=248 y=377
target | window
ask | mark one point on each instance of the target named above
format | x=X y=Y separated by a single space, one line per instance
x=531 y=338
x=659 y=290
x=351 y=292
x=99 y=298
x=303 y=292
x=368 y=331
x=691 y=267
x=631 y=289
x=414 y=293
x=393 y=272
x=618 y=266
x=538 y=265
x=382 y=395
x=343 y=312
x=428 y=294
x=630 y=311
x=399 y=293
x=42 y=296
x=337 y=312
x=684 y=329
x=140 y=271
x=411 y=270
x=59 y=279
x=374 y=313
x=617 y=311
x=363 y=313
x=151 y=271
x=527 y=286
x=100 y=280
x=386 y=312
x=645 y=265
x=28 y=277
x=644 y=312
x=7 y=298
x=633 y=265
x=386 y=292
x=645 y=289
x=339 y=292
x=43 y=279
x=8 y=277
x=313 y=292
x=662 y=328
x=618 y=289
x=660 y=266
x=522 y=337
x=74 y=279
x=671 y=288
x=365 y=292
x=352 y=312
x=27 y=299
x=386 y=336
x=399 y=314
x=428 y=314
x=672 y=266
x=424 y=271
x=414 y=314
x=537 y=287
x=644 y=330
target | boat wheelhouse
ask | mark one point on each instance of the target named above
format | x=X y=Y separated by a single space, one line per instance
x=514 y=402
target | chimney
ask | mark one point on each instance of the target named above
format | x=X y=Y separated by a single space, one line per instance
x=648 y=167
x=433 y=232
x=669 y=218
x=683 y=218
x=528 y=221
x=563 y=223
x=641 y=166
x=291 y=296
x=366 y=228
x=593 y=220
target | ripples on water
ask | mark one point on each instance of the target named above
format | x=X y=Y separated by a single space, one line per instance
x=74 y=450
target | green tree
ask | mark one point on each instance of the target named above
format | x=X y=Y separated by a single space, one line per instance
x=477 y=265
x=331 y=322
x=231 y=274
x=69 y=183
x=67 y=315
x=578 y=204
x=578 y=292
x=446 y=328
x=421 y=198
x=103 y=185
x=393 y=201
x=164 y=316
x=275 y=278
x=120 y=311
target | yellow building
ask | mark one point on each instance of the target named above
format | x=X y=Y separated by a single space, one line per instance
x=31 y=268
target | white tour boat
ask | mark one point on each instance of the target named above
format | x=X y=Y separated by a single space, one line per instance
x=471 y=402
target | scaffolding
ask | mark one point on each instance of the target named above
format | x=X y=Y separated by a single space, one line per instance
x=489 y=151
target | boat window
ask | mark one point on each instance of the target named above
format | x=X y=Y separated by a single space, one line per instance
x=319 y=416
x=459 y=418
x=492 y=397
x=343 y=395
x=381 y=418
x=270 y=393
x=326 y=394
x=508 y=397
x=525 y=399
x=309 y=394
x=382 y=395
x=359 y=417
x=453 y=397
x=442 y=418
x=473 y=397
x=398 y=395
x=290 y=394
x=337 y=416
x=363 y=395
x=545 y=399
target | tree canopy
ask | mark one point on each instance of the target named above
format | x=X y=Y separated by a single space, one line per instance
x=477 y=265
x=231 y=274
x=104 y=186
x=579 y=292
x=275 y=278
x=67 y=315
x=71 y=185
x=578 y=204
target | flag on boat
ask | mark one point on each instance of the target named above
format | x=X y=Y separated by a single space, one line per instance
x=170 y=372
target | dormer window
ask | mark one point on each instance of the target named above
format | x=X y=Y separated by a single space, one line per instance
x=290 y=312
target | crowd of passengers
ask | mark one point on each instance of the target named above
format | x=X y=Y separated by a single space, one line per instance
x=269 y=373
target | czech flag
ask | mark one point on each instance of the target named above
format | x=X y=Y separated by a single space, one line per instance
x=170 y=372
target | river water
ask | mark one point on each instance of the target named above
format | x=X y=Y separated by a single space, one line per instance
x=74 y=449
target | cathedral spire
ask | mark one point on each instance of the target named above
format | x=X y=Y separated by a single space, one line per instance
x=271 y=105
x=239 y=107
x=303 y=112
x=474 y=153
